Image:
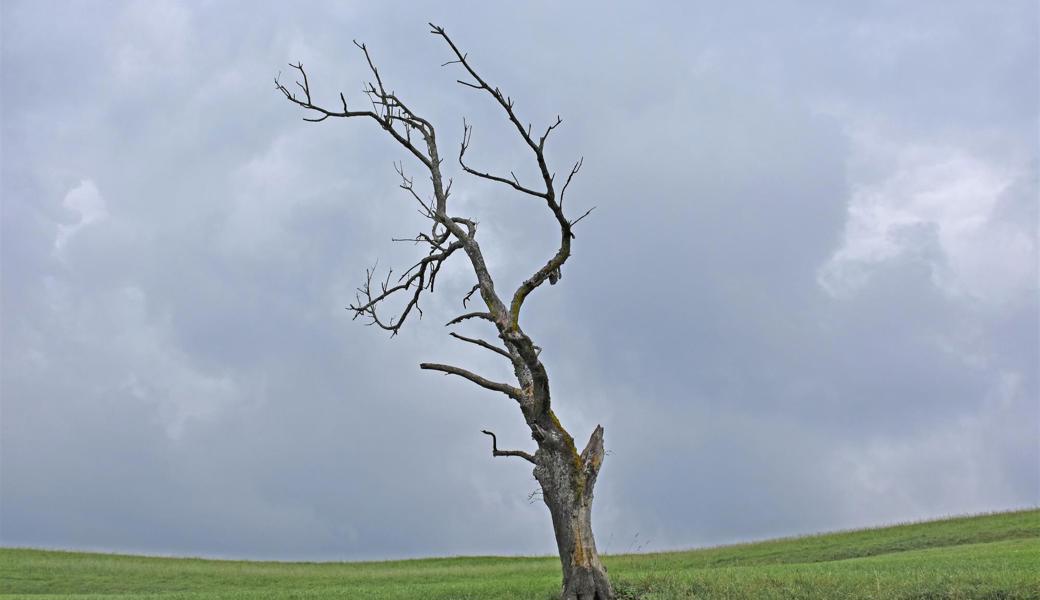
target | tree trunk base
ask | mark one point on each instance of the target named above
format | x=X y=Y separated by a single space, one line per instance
x=587 y=583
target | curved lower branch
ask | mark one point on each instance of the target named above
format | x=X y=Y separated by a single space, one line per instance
x=496 y=452
x=487 y=384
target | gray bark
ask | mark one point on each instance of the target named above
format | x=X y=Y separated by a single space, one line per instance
x=567 y=480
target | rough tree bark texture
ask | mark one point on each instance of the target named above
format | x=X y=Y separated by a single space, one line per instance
x=567 y=481
x=567 y=477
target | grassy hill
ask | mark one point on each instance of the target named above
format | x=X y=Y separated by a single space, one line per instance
x=990 y=556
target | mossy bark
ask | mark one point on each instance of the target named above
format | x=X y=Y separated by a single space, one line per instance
x=567 y=480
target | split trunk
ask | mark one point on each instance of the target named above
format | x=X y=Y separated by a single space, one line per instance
x=567 y=480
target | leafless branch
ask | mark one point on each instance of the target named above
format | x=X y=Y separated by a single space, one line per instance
x=587 y=213
x=421 y=276
x=408 y=186
x=465 y=299
x=395 y=117
x=394 y=111
x=496 y=452
x=512 y=392
x=472 y=315
x=449 y=234
x=467 y=133
x=551 y=271
x=574 y=171
x=482 y=344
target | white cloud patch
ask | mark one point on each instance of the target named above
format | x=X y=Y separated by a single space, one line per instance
x=87 y=202
x=937 y=205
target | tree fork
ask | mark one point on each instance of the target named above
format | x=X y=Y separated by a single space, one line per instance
x=567 y=480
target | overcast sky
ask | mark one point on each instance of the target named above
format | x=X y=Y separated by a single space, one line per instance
x=807 y=300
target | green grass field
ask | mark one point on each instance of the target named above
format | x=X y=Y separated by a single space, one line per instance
x=991 y=556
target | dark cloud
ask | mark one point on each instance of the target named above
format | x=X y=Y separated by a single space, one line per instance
x=807 y=298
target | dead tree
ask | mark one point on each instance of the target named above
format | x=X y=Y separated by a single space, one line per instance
x=567 y=477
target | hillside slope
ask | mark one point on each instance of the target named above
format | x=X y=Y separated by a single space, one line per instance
x=990 y=556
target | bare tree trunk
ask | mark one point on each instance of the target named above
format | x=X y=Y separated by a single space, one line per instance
x=566 y=477
x=567 y=480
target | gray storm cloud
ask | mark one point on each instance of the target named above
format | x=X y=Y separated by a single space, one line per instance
x=807 y=298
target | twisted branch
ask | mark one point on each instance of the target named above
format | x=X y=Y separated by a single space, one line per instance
x=496 y=452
